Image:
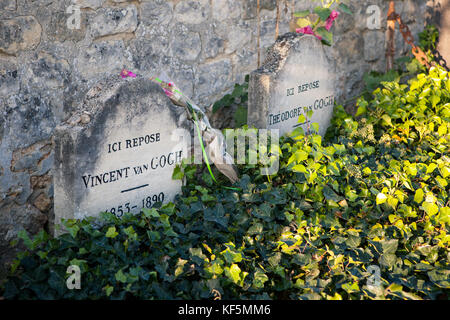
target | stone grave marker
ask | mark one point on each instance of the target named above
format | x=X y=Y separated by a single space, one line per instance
x=295 y=77
x=118 y=151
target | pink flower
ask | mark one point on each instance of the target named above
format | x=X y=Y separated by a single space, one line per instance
x=308 y=30
x=125 y=74
x=305 y=30
x=333 y=16
x=168 y=93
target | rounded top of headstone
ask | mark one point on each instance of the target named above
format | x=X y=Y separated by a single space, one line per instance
x=279 y=51
x=108 y=89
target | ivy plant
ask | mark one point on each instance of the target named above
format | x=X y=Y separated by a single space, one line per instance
x=373 y=194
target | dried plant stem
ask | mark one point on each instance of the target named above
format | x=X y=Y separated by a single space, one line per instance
x=292 y=22
x=277 y=26
x=258 y=38
x=390 y=50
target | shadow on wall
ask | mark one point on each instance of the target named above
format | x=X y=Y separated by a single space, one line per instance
x=439 y=16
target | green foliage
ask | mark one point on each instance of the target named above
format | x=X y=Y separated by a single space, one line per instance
x=374 y=192
x=318 y=19
x=238 y=98
x=428 y=38
x=404 y=67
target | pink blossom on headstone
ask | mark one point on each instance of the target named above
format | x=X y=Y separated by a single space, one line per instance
x=333 y=16
x=126 y=73
x=305 y=30
x=308 y=30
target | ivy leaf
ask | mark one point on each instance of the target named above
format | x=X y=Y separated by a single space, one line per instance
x=442 y=130
x=109 y=290
x=442 y=182
x=301 y=119
x=259 y=279
x=430 y=208
x=381 y=198
x=301 y=14
x=440 y=277
x=234 y=273
x=326 y=35
x=197 y=255
x=350 y=287
x=303 y=22
x=151 y=213
x=111 y=233
x=361 y=110
x=216 y=268
x=120 y=276
x=22 y=234
x=301 y=155
x=231 y=256
x=329 y=194
x=315 y=127
x=322 y=12
x=178 y=174
x=387 y=120
x=418 y=197
x=344 y=8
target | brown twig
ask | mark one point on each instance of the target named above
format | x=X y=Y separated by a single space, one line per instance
x=277 y=25
x=258 y=38
x=390 y=51
x=292 y=22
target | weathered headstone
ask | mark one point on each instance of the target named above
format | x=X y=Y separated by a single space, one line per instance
x=295 y=77
x=118 y=151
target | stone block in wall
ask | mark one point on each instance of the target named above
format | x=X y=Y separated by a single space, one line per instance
x=348 y=49
x=29 y=118
x=374 y=45
x=250 y=6
x=103 y=57
x=185 y=44
x=146 y=55
x=212 y=44
x=61 y=25
x=9 y=77
x=211 y=79
x=91 y=4
x=236 y=36
x=10 y=5
x=156 y=13
x=245 y=61
x=109 y=21
x=192 y=12
x=226 y=9
x=47 y=71
x=20 y=33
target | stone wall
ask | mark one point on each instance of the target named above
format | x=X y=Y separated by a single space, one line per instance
x=48 y=60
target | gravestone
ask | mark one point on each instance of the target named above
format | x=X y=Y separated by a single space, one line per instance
x=295 y=77
x=118 y=151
